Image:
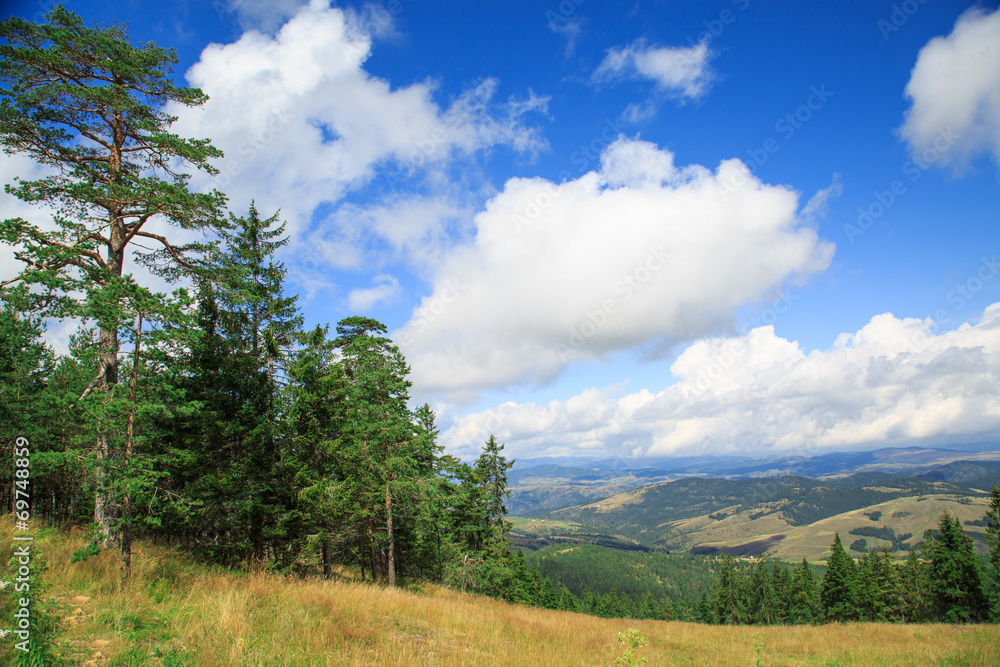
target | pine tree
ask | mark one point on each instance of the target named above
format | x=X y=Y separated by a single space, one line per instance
x=60 y=82
x=956 y=588
x=729 y=604
x=763 y=603
x=992 y=519
x=377 y=433
x=803 y=604
x=491 y=471
x=837 y=592
x=913 y=589
x=666 y=608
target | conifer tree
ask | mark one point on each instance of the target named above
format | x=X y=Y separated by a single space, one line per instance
x=88 y=104
x=377 y=433
x=763 y=602
x=913 y=591
x=956 y=588
x=491 y=473
x=666 y=610
x=837 y=592
x=729 y=603
x=992 y=536
x=248 y=326
x=781 y=580
x=310 y=465
x=803 y=604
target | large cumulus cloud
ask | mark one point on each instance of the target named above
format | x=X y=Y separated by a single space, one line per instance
x=638 y=255
x=893 y=381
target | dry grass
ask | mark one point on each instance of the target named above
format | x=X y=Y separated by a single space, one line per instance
x=179 y=613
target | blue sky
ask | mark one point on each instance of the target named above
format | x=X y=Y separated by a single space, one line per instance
x=731 y=226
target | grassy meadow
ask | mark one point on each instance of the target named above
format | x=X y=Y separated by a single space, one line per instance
x=178 y=612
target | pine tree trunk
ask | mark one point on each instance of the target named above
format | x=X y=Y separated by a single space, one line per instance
x=361 y=556
x=327 y=569
x=391 y=564
x=126 y=539
x=105 y=507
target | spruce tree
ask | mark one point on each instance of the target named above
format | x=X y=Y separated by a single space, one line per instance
x=491 y=472
x=837 y=593
x=803 y=604
x=378 y=436
x=914 y=597
x=992 y=536
x=763 y=602
x=728 y=595
x=666 y=608
x=956 y=588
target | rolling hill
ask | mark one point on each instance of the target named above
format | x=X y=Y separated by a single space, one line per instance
x=787 y=517
x=539 y=486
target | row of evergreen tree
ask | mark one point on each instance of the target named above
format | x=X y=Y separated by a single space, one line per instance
x=208 y=416
x=944 y=580
x=247 y=438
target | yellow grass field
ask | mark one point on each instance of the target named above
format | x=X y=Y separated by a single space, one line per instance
x=176 y=612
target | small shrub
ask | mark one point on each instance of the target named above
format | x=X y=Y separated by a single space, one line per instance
x=633 y=640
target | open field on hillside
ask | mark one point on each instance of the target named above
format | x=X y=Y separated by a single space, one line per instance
x=786 y=517
x=179 y=613
x=905 y=516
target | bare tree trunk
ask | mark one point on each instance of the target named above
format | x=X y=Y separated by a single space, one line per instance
x=105 y=506
x=361 y=556
x=371 y=544
x=126 y=539
x=327 y=569
x=391 y=564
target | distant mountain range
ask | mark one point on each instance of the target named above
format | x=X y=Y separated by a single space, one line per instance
x=541 y=485
x=784 y=507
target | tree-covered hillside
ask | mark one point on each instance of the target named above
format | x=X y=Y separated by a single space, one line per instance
x=651 y=514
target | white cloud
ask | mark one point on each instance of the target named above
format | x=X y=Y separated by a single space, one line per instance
x=302 y=123
x=894 y=381
x=264 y=15
x=570 y=29
x=677 y=71
x=955 y=89
x=816 y=206
x=386 y=290
x=640 y=255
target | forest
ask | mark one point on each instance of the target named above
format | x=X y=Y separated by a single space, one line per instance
x=211 y=418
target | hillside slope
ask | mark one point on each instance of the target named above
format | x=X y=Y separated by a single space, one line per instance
x=179 y=613
x=689 y=513
x=898 y=524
